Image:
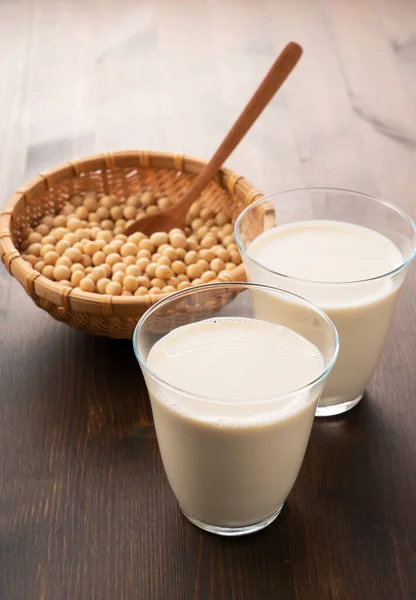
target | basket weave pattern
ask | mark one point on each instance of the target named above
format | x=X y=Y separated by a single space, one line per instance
x=121 y=174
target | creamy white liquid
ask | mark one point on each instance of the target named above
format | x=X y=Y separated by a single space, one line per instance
x=331 y=252
x=233 y=462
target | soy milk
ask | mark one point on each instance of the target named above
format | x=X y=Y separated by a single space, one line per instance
x=316 y=259
x=231 y=448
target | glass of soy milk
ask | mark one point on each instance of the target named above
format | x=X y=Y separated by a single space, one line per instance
x=346 y=252
x=233 y=396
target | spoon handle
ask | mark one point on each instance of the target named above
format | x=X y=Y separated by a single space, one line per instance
x=280 y=70
x=175 y=216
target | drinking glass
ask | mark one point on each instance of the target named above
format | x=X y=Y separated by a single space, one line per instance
x=232 y=464
x=361 y=310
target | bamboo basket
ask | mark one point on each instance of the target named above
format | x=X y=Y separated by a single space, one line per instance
x=121 y=174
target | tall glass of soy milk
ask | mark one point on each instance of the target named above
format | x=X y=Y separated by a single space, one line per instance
x=346 y=252
x=233 y=397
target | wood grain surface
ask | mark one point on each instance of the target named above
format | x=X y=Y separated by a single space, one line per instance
x=85 y=509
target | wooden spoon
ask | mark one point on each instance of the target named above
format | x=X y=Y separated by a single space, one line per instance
x=175 y=216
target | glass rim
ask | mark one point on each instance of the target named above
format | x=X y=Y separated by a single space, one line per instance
x=233 y=284
x=377 y=199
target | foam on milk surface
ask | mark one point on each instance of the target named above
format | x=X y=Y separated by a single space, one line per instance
x=326 y=251
x=235 y=359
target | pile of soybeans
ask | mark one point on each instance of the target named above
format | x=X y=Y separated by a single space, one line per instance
x=84 y=247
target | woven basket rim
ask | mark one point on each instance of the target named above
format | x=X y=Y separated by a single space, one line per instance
x=44 y=181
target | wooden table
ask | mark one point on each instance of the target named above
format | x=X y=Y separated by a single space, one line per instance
x=85 y=509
